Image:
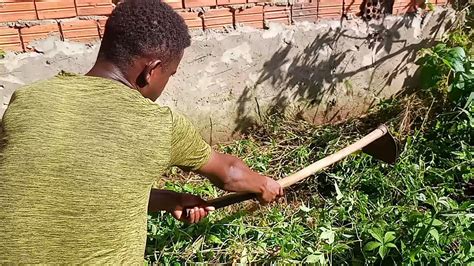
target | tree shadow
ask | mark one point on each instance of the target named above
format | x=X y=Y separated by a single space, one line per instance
x=311 y=77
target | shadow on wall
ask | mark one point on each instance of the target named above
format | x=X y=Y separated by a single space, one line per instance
x=315 y=73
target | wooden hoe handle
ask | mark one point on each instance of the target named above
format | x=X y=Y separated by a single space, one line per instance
x=307 y=171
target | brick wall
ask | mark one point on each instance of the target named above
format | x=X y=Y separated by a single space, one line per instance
x=22 y=21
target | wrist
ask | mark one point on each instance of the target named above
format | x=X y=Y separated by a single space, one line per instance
x=263 y=186
x=163 y=200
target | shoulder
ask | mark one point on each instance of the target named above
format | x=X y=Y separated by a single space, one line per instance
x=180 y=120
x=28 y=90
x=53 y=83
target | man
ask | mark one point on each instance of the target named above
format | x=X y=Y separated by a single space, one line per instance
x=80 y=153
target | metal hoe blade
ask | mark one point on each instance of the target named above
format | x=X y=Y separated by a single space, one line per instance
x=384 y=148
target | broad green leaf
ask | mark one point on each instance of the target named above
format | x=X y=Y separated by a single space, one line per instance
x=391 y=245
x=315 y=258
x=214 y=239
x=382 y=251
x=437 y=222
x=372 y=245
x=458 y=52
x=327 y=235
x=457 y=65
x=377 y=234
x=433 y=232
x=389 y=237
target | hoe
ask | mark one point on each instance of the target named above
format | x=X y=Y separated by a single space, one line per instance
x=379 y=144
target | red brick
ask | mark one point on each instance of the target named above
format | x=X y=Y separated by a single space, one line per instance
x=250 y=17
x=330 y=9
x=352 y=7
x=80 y=30
x=12 y=11
x=230 y=2
x=192 y=19
x=442 y=2
x=55 y=9
x=305 y=12
x=101 y=22
x=94 y=10
x=302 y=1
x=199 y=3
x=92 y=2
x=217 y=18
x=10 y=39
x=401 y=7
x=174 y=3
x=280 y=14
x=94 y=7
x=37 y=32
x=256 y=1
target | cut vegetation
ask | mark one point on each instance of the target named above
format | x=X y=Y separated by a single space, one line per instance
x=359 y=211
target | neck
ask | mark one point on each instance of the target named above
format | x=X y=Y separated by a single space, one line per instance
x=108 y=70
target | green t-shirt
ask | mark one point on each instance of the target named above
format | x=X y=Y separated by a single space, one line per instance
x=78 y=158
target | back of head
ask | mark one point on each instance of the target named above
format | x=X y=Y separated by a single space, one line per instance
x=143 y=28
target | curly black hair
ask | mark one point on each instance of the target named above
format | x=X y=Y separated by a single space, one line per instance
x=139 y=28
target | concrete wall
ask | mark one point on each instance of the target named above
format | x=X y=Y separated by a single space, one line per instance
x=324 y=72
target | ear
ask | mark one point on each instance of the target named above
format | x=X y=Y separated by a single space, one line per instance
x=151 y=67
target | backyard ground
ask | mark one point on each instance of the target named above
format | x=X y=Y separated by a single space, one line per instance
x=360 y=211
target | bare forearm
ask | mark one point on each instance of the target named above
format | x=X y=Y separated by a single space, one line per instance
x=162 y=200
x=241 y=179
x=232 y=174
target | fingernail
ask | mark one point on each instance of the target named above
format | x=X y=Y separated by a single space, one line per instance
x=210 y=208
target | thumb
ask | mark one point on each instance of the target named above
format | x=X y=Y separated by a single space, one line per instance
x=177 y=214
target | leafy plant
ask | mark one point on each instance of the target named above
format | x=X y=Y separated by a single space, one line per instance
x=359 y=211
x=418 y=212
x=448 y=69
x=384 y=242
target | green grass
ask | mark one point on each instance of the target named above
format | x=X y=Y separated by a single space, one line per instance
x=359 y=211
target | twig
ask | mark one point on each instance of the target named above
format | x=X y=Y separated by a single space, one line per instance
x=427 y=114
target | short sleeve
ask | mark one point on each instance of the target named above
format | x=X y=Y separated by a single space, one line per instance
x=188 y=150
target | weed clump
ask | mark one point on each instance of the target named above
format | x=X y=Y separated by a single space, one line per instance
x=419 y=210
x=360 y=211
